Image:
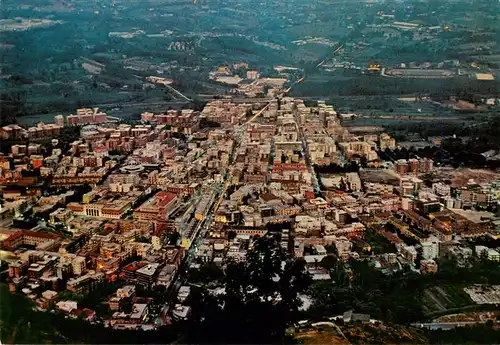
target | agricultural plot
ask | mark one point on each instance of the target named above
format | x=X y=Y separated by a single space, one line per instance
x=442 y=298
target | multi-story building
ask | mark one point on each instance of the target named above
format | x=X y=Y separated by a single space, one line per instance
x=430 y=249
x=27 y=237
x=18 y=268
x=409 y=253
x=203 y=207
x=344 y=246
x=353 y=181
x=114 y=209
x=441 y=189
x=378 y=188
x=60 y=120
x=489 y=253
x=147 y=275
x=44 y=131
x=253 y=75
x=426 y=165
x=413 y=165
x=85 y=283
x=38 y=268
x=157 y=207
x=401 y=166
x=386 y=142
x=78 y=263
x=86 y=116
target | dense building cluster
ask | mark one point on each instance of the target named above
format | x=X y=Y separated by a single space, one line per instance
x=132 y=205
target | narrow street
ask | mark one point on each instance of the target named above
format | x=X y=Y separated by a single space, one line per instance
x=305 y=153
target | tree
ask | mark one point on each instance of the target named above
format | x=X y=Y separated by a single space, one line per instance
x=174 y=238
x=102 y=310
x=419 y=258
x=211 y=272
x=126 y=305
x=428 y=178
x=342 y=185
x=329 y=262
x=231 y=235
x=159 y=293
x=143 y=239
x=208 y=272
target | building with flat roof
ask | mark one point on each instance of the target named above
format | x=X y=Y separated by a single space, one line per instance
x=27 y=237
x=430 y=248
x=85 y=283
x=147 y=274
x=157 y=207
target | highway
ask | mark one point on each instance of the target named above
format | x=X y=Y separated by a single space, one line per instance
x=178 y=93
x=297 y=82
x=333 y=53
x=257 y=114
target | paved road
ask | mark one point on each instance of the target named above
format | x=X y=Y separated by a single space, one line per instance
x=305 y=153
x=446 y=325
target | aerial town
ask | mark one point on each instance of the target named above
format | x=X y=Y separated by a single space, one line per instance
x=250 y=172
x=128 y=211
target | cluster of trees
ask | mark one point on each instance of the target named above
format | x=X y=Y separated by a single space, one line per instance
x=337 y=169
x=379 y=244
x=397 y=297
x=204 y=123
x=411 y=241
x=143 y=239
x=393 y=298
x=174 y=238
x=208 y=272
x=261 y=299
x=475 y=271
x=11 y=106
x=354 y=84
x=23 y=324
x=453 y=151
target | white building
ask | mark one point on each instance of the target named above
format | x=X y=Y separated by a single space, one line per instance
x=441 y=189
x=491 y=254
x=126 y=291
x=430 y=249
x=67 y=306
x=409 y=253
x=184 y=292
